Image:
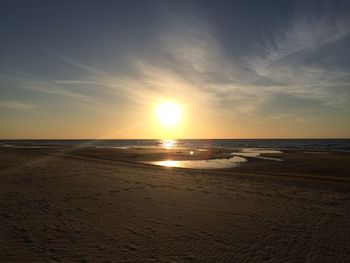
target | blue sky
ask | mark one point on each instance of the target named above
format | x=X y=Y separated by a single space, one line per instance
x=240 y=69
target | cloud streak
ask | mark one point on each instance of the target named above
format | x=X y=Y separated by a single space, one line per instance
x=186 y=61
x=16 y=105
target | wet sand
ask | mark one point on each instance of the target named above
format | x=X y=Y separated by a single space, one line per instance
x=103 y=205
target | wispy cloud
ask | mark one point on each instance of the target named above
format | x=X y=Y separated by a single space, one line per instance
x=298 y=61
x=16 y=105
x=190 y=61
x=187 y=62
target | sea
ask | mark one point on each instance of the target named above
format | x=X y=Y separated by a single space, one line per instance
x=281 y=144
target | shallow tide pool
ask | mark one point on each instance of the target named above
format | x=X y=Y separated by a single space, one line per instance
x=203 y=164
x=257 y=153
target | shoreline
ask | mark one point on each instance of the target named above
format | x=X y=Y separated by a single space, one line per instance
x=144 y=156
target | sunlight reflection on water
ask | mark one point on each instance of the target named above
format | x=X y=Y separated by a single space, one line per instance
x=203 y=164
x=169 y=143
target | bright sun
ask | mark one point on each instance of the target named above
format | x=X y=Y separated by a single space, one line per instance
x=168 y=114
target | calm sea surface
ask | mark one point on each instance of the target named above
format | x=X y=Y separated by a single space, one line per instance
x=305 y=144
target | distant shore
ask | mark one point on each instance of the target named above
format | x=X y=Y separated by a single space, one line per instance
x=108 y=205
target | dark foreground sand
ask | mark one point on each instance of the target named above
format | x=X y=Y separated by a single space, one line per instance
x=81 y=207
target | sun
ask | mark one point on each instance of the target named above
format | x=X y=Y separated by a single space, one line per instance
x=168 y=114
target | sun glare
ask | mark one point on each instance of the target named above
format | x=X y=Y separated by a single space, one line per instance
x=168 y=114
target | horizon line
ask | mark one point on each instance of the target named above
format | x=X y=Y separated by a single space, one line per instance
x=149 y=139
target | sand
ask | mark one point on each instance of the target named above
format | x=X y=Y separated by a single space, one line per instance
x=96 y=205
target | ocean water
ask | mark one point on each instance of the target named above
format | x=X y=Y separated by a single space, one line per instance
x=281 y=144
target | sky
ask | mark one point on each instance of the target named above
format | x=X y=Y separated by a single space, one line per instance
x=238 y=69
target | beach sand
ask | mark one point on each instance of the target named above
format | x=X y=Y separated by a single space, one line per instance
x=100 y=205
